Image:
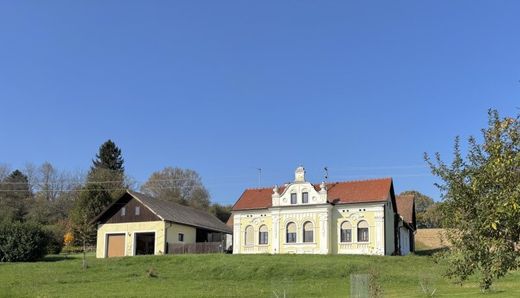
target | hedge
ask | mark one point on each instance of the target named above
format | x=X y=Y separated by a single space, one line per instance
x=22 y=242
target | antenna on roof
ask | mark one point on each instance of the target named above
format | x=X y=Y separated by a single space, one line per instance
x=259 y=176
x=326 y=174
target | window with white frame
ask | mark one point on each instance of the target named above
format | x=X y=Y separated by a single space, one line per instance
x=293 y=198
x=346 y=232
x=262 y=235
x=362 y=231
x=291 y=233
x=308 y=232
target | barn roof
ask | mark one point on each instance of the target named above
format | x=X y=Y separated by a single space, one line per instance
x=406 y=208
x=177 y=213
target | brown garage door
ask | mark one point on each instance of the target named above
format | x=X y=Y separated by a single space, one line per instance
x=116 y=245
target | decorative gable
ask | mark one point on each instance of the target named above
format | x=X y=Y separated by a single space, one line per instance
x=299 y=192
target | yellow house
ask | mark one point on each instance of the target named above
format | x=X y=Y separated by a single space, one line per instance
x=137 y=224
x=353 y=217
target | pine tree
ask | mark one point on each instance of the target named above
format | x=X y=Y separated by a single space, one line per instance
x=107 y=169
x=109 y=158
x=15 y=191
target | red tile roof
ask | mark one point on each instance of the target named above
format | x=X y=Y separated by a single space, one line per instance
x=374 y=190
x=405 y=208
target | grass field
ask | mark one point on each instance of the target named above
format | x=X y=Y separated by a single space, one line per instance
x=232 y=275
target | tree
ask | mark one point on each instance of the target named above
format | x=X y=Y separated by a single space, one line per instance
x=481 y=202
x=93 y=199
x=84 y=231
x=109 y=157
x=426 y=210
x=422 y=201
x=183 y=186
x=14 y=193
x=431 y=217
x=222 y=212
x=107 y=169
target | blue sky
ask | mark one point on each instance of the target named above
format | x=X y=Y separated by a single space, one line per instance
x=225 y=87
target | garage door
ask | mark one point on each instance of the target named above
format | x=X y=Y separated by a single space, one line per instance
x=116 y=245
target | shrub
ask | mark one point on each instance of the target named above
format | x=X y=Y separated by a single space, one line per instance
x=54 y=235
x=21 y=242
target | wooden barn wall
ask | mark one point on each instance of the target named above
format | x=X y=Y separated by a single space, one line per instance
x=114 y=215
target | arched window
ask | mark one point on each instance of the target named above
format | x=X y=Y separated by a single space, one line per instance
x=308 y=232
x=262 y=235
x=291 y=232
x=249 y=236
x=362 y=231
x=346 y=232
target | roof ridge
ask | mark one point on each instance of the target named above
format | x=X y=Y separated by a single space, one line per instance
x=318 y=183
x=360 y=180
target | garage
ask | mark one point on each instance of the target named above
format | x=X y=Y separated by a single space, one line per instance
x=115 y=245
x=145 y=243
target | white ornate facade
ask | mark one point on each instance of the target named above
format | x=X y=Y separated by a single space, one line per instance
x=335 y=218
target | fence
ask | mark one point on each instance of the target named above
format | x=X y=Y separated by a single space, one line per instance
x=195 y=248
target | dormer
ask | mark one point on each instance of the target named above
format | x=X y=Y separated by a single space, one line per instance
x=299 y=192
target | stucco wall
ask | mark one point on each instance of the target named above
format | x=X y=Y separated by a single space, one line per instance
x=276 y=220
x=255 y=219
x=354 y=214
x=327 y=220
x=129 y=229
x=173 y=230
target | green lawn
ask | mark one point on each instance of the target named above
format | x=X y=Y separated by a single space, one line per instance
x=232 y=275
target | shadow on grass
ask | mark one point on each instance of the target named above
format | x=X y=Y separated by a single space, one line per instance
x=429 y=252
x=56 y=258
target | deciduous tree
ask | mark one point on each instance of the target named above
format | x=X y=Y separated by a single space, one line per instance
x=183 y=186
x=481 y=202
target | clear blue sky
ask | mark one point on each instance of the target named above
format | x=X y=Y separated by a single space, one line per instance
x=225 y=87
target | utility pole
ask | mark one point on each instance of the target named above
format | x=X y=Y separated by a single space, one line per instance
x=259 y=177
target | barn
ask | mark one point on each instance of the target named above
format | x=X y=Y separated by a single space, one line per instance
x=136 y=224
x=407 y=223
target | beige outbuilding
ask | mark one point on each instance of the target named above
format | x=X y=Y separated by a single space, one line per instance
x=137 y=224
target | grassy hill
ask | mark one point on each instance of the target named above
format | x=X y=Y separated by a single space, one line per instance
x=231 y=275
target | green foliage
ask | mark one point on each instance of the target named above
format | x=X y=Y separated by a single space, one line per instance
x=92 y=200
x=426 y=210
x=422 y=201
x=431 y=217
x=14 y=193
x=222 y=212
x=481 y=203
x=22 y=242
x=183 y=186
x=109 y=157
x=107 y=170
x=54 y=234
